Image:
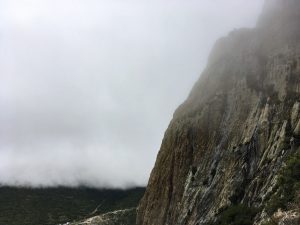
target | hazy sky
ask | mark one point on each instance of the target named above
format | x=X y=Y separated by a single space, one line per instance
x=88 y=87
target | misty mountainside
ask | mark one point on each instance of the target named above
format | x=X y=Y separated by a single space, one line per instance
x=53 y=206
x=231 y=154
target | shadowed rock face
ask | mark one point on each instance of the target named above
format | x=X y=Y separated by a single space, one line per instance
x=228 y=140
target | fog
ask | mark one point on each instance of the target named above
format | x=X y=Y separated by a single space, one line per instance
x=88 y=87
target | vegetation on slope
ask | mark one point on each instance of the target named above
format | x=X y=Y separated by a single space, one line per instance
x=236 y=215
x=24 y=206
x=287 y=193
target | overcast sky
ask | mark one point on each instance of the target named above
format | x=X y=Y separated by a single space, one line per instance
x=88 y=87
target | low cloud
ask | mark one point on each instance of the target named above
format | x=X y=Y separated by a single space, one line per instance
x=87 y=88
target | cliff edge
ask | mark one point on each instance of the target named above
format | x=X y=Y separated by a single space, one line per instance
x=229 y=142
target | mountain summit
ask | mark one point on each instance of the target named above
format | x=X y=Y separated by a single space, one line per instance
x=231 y=151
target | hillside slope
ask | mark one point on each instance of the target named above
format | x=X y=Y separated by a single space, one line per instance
x=119 y=217
x=228 y=142
x=52 y=206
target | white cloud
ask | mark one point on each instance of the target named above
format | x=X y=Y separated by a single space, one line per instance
x=87 y=88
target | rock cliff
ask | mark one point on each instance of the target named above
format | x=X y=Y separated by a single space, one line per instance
x=228 y=141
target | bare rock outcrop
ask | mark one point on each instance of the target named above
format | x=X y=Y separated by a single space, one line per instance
x=119 y=217
x=229 y=139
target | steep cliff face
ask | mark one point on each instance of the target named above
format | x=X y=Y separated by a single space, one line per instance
x=229 y=139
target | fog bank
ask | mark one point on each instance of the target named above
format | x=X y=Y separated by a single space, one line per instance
x=87 y=88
